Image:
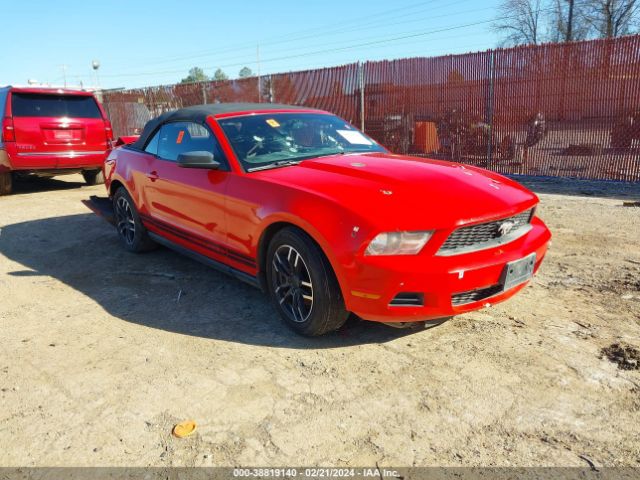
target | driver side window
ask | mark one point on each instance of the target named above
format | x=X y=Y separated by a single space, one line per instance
x=180 y=137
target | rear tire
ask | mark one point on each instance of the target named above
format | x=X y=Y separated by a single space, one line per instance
x=93 y=177
x=302 y=284
x=133 y=236
x=6 y=183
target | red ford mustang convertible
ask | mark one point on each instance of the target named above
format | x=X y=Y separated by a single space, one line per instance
x=302 y=204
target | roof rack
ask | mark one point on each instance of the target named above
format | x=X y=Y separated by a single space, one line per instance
x=48 y=86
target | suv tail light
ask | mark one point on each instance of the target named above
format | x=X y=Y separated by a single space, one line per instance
x=8 y=134
x=109 y=131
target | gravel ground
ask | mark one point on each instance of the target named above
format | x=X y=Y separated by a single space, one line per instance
x=104 y=351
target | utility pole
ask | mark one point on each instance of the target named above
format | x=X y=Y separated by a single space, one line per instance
x=569 y=36
x=361 y=88
x=64 y=74
x=258 y=67
x=95 y=64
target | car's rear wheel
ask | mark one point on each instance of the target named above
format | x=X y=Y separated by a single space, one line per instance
x=93 y=177
x=302 y=284
x=6 y=183
x=132 y=234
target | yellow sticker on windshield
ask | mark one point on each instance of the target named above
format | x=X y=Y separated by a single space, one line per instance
x=273 y=123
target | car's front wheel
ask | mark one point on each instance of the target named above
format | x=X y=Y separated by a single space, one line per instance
x=302 y=284
x=93 y=177
x=132 y=234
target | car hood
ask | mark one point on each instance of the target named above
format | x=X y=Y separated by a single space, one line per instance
x=403 y=192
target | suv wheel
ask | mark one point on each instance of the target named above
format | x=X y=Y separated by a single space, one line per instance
x=131 y=232
x=93 y=177
x=6 y=183
x=302 y=284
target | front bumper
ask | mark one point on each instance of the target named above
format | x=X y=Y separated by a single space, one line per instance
x=376 y=281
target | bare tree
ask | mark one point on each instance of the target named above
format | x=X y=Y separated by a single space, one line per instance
x=567 y=21
x=612 y=18
x=520 y=21
x=570 y=17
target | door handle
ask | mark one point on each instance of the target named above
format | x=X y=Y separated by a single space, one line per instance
x=153 y=176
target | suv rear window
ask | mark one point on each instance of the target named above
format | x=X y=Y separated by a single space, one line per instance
x=38 y=105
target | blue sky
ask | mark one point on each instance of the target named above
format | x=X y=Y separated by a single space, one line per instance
x=148 y=42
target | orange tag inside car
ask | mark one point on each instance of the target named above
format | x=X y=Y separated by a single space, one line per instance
x=180 y=136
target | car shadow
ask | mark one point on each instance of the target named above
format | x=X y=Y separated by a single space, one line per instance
x=162 y=289
x=581 y=188
x=34 y=184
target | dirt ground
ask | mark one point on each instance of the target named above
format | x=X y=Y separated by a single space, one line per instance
x=104 y=351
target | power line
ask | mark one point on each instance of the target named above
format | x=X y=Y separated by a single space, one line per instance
x=387 y=40
x=307 y=33
x=305 y=49
x=328 y=50
x=475 y=47
x=318 y=52
x=249 y=57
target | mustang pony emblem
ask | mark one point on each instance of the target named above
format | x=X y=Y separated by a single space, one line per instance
x=505 y=228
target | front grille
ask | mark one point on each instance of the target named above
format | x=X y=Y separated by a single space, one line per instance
x=484 y=235
x=407 y=299
x=471 y=296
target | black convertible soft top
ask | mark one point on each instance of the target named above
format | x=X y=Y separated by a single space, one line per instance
x=199 y=113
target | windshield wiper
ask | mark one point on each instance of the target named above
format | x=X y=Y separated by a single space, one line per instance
x=330 y=154
x=318 y=155
x=286 y=163
x=278 y=164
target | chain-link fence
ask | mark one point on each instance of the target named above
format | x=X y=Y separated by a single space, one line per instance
x=568 y=109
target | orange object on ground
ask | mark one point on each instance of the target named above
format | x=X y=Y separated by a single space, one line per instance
x=184 y=429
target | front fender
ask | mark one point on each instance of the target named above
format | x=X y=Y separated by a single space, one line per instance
x=253 y=206
x=317 y=235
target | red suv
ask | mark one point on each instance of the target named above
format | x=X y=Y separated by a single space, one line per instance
x=51 y=131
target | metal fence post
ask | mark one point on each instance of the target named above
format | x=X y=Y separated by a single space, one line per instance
x=259 y=89
x=270 y=89
x=361 y=88
x=204 y=94
x=489 y=118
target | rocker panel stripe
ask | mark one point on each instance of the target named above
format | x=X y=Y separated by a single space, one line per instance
x=213 y=247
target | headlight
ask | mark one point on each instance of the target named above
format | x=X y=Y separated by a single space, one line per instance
x=398 y=243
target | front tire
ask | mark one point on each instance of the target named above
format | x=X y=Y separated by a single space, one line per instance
x=6 y=183
x=133 y=236
x=302 y=284
x=93 y=177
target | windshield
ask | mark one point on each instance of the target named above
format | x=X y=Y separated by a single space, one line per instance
x=260 y=141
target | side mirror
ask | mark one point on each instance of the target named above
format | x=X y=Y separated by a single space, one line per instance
x=198 y=159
